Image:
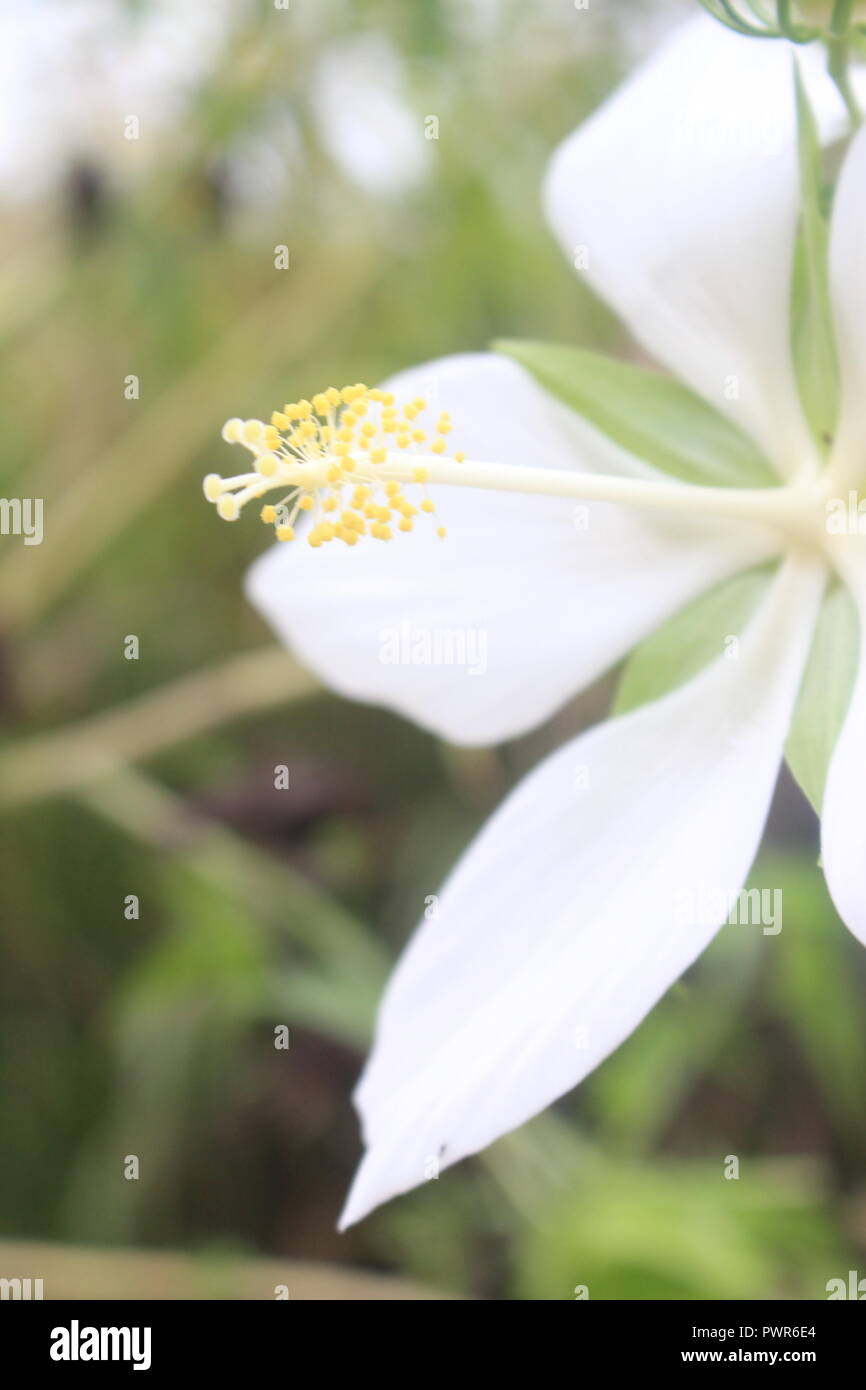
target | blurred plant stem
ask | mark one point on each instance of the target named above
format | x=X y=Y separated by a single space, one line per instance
x=33 y=286
x=78 y=1272
x=839 y=53
x=151 y=813
x=134 y=470
x=61 y=761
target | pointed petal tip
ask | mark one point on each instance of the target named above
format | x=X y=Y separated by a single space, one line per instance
x=363 y=1197
x=514 y=995
x=344 y=1221
x=351 y=1213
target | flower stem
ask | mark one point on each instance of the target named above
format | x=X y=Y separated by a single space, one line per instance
x=838 y=49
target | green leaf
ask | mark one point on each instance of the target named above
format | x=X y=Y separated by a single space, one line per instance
x=690 y=640
x=813 y=339
x=825 y=693
x=675 y=1230
x=652 y=416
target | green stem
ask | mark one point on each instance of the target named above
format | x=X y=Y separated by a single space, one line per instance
x=82 y=754
x=735 y=21
x=839 y=49
x=796 y=33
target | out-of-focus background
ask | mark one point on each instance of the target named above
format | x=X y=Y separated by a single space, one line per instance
x=164 y=908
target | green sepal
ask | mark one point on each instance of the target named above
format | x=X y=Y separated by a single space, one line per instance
x=825 y=693
x=691 y=639
x=651 y=416
x=813 y=338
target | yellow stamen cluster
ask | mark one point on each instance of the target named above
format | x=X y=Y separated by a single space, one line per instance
x=345 y=456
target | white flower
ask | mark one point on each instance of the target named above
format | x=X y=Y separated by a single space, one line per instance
x=563 y=923
x=72 y=73
x=364 y=118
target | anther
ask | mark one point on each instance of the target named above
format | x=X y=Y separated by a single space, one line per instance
x=333 y=456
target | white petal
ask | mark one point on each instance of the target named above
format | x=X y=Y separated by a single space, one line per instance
x=848 y=288
x=682 y=192
x=528 y=607
x=843 y=836
x=574 y=910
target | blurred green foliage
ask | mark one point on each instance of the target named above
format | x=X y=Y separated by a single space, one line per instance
x=155 y=1036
